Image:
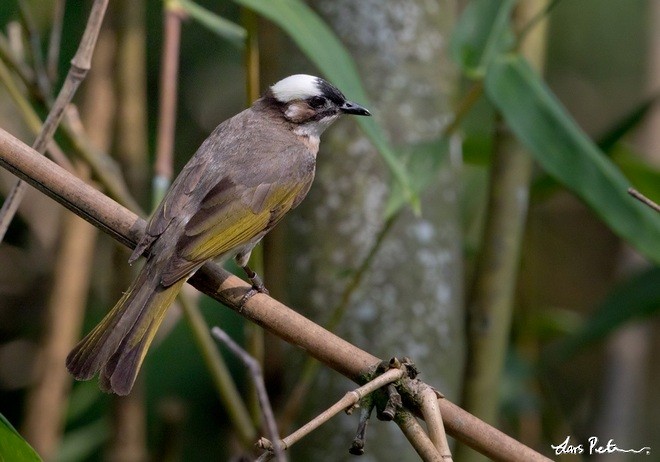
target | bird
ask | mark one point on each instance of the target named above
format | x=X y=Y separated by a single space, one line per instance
x=251 y=170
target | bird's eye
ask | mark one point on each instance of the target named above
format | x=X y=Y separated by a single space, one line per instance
x=316 y=101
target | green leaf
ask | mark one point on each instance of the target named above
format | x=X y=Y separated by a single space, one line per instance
x=477 y=148
x=544 y=186
x=13 y=448
x=567 y=154
x=323 y=48
x=482 y=33
x=637 y=298
x=423 y=162
x=477 y=126
x=216 y=24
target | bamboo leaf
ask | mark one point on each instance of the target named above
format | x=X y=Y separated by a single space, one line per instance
x=637 y=298
x=567 y=154
x=216 y=24
x=12 y=445
x=482 y=33
x=323 y=48
x=423 y=162
x=610 y=143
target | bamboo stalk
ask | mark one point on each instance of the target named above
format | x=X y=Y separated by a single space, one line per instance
x=48 y=398
x=168 y=101
x=490 y=309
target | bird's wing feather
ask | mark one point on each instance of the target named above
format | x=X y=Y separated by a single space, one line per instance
x=222 y=224
x=238 y=211
x=198 y=175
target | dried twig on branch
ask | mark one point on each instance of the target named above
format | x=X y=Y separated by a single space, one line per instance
x=254 y=368
x=349 y=401
x=643 y=199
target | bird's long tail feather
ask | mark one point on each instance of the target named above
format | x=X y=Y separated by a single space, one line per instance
x=118 y=344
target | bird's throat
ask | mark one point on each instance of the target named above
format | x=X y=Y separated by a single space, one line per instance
x=309 y=136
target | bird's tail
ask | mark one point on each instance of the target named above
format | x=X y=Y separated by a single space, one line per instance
x=118 y=344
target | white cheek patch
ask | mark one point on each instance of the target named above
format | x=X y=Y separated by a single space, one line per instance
x=299 y=86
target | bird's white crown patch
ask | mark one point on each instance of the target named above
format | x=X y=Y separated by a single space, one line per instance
x=299 y=86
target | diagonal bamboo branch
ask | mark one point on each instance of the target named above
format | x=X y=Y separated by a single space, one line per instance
x=292 y=327
x=80 y=64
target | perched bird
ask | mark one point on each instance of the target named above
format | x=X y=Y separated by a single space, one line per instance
x=243 y=179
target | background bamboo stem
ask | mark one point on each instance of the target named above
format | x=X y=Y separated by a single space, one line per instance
x=47 y=400
x=131 y=141
x=168 y=101
x=491 y=305
x=25 y=73
x=53 y=54
x=34 y=38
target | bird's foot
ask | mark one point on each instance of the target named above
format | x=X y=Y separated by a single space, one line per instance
x=258 y=287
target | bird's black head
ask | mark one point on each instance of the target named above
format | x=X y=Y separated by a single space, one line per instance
x=310 y=100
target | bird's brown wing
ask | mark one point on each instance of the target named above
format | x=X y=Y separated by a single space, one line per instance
x=182 y=195
x=228 y=217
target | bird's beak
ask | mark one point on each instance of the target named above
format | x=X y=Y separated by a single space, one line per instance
x=352 y=108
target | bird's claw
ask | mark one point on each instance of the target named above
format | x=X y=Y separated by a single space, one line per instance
x=257 y=288
x=257 y=285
